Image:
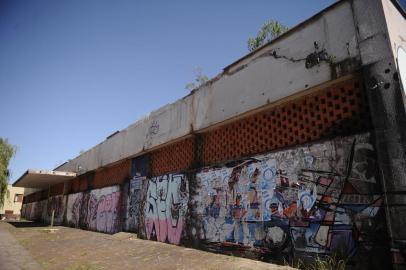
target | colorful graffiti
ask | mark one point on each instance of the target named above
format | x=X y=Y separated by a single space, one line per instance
x=321 y=198
x=98 y=210
x=165 y=208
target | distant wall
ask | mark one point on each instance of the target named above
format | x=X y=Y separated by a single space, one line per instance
x=34 y=211
x=13 y=201
x=97 y=210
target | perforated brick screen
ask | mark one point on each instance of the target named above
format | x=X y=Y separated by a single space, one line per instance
x=56 y=190
x=113 y=175
x=74 y=185
x=175 y=157
x=339 y=109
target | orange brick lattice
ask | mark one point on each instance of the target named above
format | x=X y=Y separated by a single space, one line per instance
x=337 y=110
x=340 y=109
x=113 y=175
x=173 y=158
x=56 y=190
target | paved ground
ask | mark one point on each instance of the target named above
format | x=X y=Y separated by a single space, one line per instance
x=13 y=255
x=72 y=249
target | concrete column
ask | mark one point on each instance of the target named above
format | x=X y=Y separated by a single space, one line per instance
x=388 y=117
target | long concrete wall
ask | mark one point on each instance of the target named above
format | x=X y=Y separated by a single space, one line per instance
x=312 y=199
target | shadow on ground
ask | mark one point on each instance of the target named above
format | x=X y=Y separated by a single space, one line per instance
x=25 y=224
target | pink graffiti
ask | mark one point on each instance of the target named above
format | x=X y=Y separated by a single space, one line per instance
x=165 y=208
x=105 y=212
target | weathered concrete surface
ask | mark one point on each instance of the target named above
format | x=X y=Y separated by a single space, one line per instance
x=78 y=249
x=272 y=73
x=12 y=255
x=381 y=28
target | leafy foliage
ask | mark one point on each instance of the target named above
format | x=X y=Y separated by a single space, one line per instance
x=200 y=79
x=7 y=151
x=269 y=30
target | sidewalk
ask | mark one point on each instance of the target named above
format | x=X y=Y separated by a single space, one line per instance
x=13 y=256
x=74 y=249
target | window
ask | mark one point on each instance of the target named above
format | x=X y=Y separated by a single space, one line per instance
x=18 y=198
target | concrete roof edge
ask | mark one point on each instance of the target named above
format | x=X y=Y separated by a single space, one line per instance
x=217 y=77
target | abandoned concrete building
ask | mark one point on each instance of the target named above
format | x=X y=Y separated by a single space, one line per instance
x=295 y=150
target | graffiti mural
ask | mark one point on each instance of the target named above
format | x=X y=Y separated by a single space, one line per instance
x=165 y=208
x=56 y=203
x=98 y=210
x=321 y=199
x=134 y=203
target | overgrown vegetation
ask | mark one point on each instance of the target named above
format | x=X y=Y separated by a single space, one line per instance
x=332 y=262
x=268 y=31
x=7 y=151
x=199 y=80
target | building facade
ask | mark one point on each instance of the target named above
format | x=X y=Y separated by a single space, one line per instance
x=12 y=203
x=295 y=150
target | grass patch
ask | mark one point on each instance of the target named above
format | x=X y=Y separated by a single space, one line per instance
x=82 y=267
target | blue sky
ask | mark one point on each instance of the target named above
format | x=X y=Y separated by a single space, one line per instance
x=73 y=72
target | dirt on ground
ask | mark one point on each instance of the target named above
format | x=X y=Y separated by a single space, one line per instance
x=68 y=248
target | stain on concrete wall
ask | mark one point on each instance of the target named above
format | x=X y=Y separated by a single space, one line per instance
x=317 y=199
x=58 y=205
x=35 y=211
x=165 y=208
x=97 y=210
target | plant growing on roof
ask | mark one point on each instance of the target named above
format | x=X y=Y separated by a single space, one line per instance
x=7 y=151
x=200 y=79
x=268 y=31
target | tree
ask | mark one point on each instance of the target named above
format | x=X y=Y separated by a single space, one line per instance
x=269 y=31
x=200 y=79
x=7 y=151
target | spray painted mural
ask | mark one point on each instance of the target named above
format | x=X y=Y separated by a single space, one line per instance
x=134 y=203
x=166 y=207
x=321 y=199
x=98 y=210
x=35 y=211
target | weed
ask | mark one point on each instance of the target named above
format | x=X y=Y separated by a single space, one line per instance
x=82 y=267
x=332 y=262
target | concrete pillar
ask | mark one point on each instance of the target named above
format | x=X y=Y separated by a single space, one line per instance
x=388 y=117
